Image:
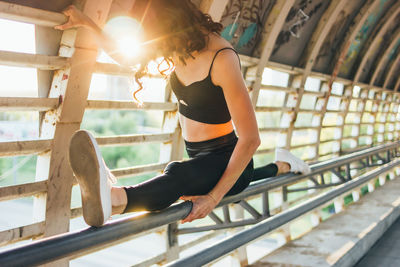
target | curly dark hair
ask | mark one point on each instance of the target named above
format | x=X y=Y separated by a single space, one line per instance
x=171 y=27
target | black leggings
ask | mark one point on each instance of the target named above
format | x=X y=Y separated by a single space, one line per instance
x=195 y=176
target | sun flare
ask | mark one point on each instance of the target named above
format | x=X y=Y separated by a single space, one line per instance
x=129 y=46
x=127 y=33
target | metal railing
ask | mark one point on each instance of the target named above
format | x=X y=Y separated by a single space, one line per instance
x=75 y=244
x=231 y=243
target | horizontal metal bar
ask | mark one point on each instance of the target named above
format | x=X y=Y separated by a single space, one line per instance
x=126 y=172
x=264 y=151
x=134 y=138
x=277 y=88
x=191 y=230
x=243 y=237
x=18 y=148
x=313 y=187
x=86 y=241
x=31 y=15
x=25 y=232
x=248 y=61
x=271 y=129
x=27 y=60
x=78 y=242
x=130 y=105
x=303 y=145
x=272 y=183
x=28 y=103
x=22 y=190
x=271 y=109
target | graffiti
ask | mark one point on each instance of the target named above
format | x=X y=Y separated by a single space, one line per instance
x=295 y=22
x=361 y=37
x=301 y=19
x=244 y=22
x=333 y=41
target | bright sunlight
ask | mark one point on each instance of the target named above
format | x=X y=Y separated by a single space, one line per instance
x=127 y=33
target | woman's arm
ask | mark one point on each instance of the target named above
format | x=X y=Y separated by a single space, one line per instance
x=244 y=118
x=77 y=19
x=226 y=73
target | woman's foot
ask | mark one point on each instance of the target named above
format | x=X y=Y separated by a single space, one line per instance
x=93 y=178
x=296 y=164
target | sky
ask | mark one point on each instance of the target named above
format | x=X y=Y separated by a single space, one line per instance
x=16 y=81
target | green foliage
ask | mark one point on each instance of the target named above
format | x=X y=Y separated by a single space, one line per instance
x=112 y=122
x=23 y=172
x=348 y=199
x=364 y=190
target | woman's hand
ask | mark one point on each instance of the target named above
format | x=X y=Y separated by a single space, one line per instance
x=202 y=206
x=75 y=19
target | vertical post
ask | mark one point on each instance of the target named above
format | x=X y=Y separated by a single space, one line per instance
x=172 y=242
x=265 y=204
x=47 y=42
x=348 y=92
x=315 y=217
x=371 y=186
x=339 y=204
x=71 y=86
x=327 y=88
x=169 y=152
x=356 y=194
x=240 y=253
x=285 y=229
x=382 y=179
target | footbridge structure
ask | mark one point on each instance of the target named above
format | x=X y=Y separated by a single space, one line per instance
x=324 y=79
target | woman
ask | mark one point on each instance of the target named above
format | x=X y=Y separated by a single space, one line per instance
x=212 y=95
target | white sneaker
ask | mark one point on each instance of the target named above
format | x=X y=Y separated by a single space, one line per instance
x=296 y=164
x=93 y=177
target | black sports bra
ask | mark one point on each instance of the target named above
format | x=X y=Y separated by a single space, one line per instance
x=202 y=101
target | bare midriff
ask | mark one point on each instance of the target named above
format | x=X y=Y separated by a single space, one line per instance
x=194 y=131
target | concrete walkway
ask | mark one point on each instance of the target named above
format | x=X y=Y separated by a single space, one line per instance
x=343 y=239
x=386 y=251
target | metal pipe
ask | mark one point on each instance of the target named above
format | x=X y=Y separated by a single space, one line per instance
x=259 y=186
x=76 y=243
x=83 y=242
x=231 y=243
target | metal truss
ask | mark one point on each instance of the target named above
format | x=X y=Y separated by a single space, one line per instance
x=342 y=168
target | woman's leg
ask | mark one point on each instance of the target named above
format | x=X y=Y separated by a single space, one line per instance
x=196 y=176
x=284 y=162
x=271 y=170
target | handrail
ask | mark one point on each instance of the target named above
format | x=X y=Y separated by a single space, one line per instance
x=268 y=184
x=245 y=236
x=77 y=243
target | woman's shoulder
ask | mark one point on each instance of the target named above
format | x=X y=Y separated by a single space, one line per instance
x=217 y=42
